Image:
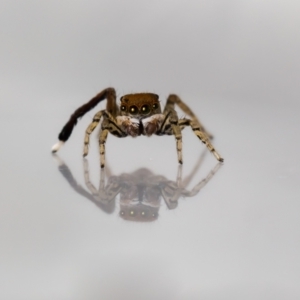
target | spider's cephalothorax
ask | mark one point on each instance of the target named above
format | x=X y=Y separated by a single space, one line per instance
x=140 y=105
x=138 y=114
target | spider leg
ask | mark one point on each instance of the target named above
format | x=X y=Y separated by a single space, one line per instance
x=109 y=124
x=177 y=133
x=170 y=126
x=201 y=135
x=108 y=93
x=174 y=99
x=102 y=141
x=89 y=130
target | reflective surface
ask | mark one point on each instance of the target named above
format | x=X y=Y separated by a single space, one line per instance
x=66 y=228
x=140 y=192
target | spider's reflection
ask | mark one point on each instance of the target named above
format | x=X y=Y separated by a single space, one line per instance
x=140 y=192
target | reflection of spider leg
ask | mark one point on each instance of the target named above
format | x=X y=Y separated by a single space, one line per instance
x=171 y=194
x=87 y=181
x=174 y=99
x=202 y=183
x=107 y=207
x=106 y=193
x=65 y=171
x=179 y=176
x=201 y=135
x=188 y=178
x=102 y=180
x=171 y=191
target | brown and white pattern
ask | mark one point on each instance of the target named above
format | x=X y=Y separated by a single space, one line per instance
x=138 y=114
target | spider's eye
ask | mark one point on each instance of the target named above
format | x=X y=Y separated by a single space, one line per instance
x=123 y=108
x=155 y=106
x=145 y=109
x=133 y=110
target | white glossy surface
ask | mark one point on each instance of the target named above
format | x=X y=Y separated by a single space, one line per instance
x=237 y=65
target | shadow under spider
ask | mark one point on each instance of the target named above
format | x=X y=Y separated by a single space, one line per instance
x=140 y=192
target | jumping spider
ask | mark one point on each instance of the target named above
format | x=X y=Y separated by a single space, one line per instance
x=139 y=114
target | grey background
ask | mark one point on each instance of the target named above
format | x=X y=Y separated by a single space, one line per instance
x=236 y=63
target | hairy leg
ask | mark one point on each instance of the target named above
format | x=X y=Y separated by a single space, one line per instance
x=174 y=99
x=109 y=124
x=102 y=141
x=170 y=126
x=108 y=93
x=89 y=130
x=201 y=135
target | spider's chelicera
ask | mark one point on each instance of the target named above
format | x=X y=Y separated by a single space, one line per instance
x=138 y=114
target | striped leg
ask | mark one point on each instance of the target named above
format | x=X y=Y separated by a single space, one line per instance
x=177 y=133
x=170 y=126
x=89 y=130
x=102 y=141
x=174 y=99
x=201 y=135
x=111 y=107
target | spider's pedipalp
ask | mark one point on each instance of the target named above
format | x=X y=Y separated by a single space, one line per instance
x=130 y=126
x=152 y=124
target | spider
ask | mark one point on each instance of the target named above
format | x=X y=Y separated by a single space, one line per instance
x=138 y=114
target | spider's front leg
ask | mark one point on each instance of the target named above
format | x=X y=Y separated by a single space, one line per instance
x=111 y=107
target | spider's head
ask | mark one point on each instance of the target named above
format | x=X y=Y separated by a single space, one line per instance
x=140 y=105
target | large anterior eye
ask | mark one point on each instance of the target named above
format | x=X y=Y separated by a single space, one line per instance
x=133 y=110
x=145 y=109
